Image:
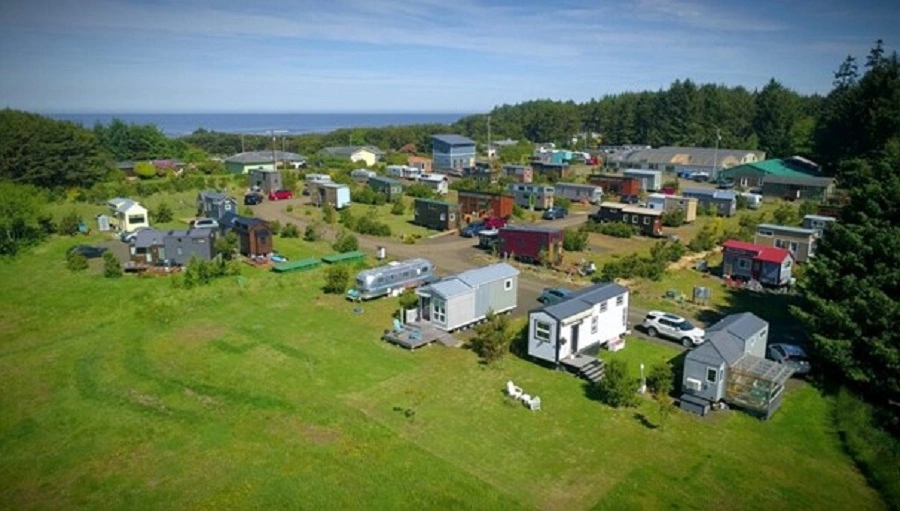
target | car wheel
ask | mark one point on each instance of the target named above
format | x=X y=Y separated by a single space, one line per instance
x=687 y=343
x=652 y=332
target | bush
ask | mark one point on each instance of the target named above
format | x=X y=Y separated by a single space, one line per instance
x=660 y=378
x=807 y=207
x=518 y=212
x=275 y=226
x=562 y=202
x=399 y=207
x=367 y=195
x=419 y=190
x=112 y=267
x=289 y=208
x=673 y=184
x=575 y=240
x=68 y=225
x=618 y=388
x=227 y=246
x=742 y=202
x=312 y=233
x=368 y=225
x=76 y=261
x=493 y=338
x=346 y=242
x=337 y=279
x=673 y=218
x=163 y=213
x=614 y=229
x=247 y=211
x=289 y=230
x=409 y=300
x=705 y=239
x=200 y=273
x=651 y=267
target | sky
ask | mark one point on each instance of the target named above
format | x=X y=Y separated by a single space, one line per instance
x=236 y=56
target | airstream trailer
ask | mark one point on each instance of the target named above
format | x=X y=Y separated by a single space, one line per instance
x=392 y=278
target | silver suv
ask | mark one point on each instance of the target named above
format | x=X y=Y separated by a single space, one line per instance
x=204 y=223
x=674 y=327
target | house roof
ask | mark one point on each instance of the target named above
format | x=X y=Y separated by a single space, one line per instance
x=264 y=157
x=822 y=218
x=712 y=194
x=450 y=287
x=583 y=299
x=579 y=186
x=531 y=228
x=453 y=139
x=362 y=172
x=333 y=185
x=245 y=222
x=729 y=336
x=189 y=233
x=627 y=208
x=435 y=178
x=146 y=238
x=347 y=151
x=768 y=254
x=214 y=195
x=384 y=180
x=788 y=229
x=684 y=156
x=822 y=182
x=438 y=202
x=122 y=205
x=472 y=279
x=784 y=167
x=504 y=143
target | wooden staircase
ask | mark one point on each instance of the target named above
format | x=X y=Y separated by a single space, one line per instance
x=593 y=371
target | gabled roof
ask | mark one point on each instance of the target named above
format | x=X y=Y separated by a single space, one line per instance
x=768 y=254
x=146 y=238
x=786 y=167
x=531 y=228
x=122 y=205
x=580 y=186
x=787 y=229
x=452 y=139
x=449 y=287
x=823 y=182
x=583 y=299
x=438 y=202
x=244 y=222
x=384 y=180
x=215 y=196
x=685 y=156
x=494 y=272
x=729 y=336
x=264 y=157
x=189 y=233
x=347 y=151
x=628 y=208
x=712 y=194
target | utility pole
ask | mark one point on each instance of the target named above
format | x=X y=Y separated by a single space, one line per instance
x=274 y=160
x=490 y=158
x=242 y=143
x=716 y=156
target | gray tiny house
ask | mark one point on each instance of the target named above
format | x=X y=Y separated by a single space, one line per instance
x=461 y=300
x=181 y=246
x=214 y=204
x=267 y=180
x=730 y=366
x=391 y=188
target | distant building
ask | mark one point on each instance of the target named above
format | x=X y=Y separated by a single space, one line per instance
x=817 y=189
x=752 y=175
x=366 y=154
x=494 y=147
x=682 y=159
x=127 y=214
x=437 y=215
x=452 y=152
x=243 y=163
x=267 y=180
x=420 y=162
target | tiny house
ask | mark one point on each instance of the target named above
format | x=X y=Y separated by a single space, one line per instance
x=518 y=173
x=338 y=195
x=254 y=235
x=267 y=180
x=616 y=184
x=650 y=180
x=818 y=222
x=575 y=192
x=437 y=215
x=747 y=261
x=590 y=317
x=214 y=204
x=529 y=243
x=362 y=175
x=647 y=221
x=485 y=204
x=800 y=242
x=437 y=182
x=465 y=299
x=390 y=188
x=403 y=171
x=669 y=203
x=182 y=245
x=147 y=247
x=532 y=196
x=722 y=202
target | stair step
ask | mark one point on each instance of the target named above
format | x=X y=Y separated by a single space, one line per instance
x=591 y=371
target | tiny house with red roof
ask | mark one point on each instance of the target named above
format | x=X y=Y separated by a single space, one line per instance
x=769 y=266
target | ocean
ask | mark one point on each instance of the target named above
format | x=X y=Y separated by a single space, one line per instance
x=175 y=125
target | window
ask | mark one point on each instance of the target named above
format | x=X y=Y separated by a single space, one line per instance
x=507 y=285
x=542 y=331
x=625 y=218
x=712 y=375
x=780 y=243
x=634 y=219
x=743 y=264
x=620 y=300
x=646 y=220
x=136 y=219
x=603 y=306
x=765 y=232
x=439 y=310
x=595 y=324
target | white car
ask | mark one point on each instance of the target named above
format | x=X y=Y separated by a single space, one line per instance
x=674 y=327
x=204 y=223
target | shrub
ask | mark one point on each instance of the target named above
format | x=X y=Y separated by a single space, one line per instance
x=493 y=338
x=409 y=300
x=368 y=225
x=419 y=190
x=69 y=223
x=247 y=211
x=337 y=279
x=399 y=207
x=112 y=267
x=673 y=218
x=289 y=208
x=518 y=212
x=786 y=214
x=367 y=195
x=163 y=213
x=227 y=246
x=200 y=273
x=76 y=261
x=807 y=207
x=742 y=202
x=673 y=184
x=618 y=388
x=290 y=230
x=660 y=378
x=562 y=202
x=614 y=229
x=575 y=240
x=346 y=242
x=705 y=239
x=312 y=233
x=275 y=226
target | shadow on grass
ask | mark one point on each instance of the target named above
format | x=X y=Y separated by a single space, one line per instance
x=644 y=421
x=772 y=307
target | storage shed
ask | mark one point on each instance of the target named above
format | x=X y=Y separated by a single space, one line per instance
x=336 y=194
x=464 y=299
x=182 y=245
x=267 y=180
x=650 y=180
x=437 y=215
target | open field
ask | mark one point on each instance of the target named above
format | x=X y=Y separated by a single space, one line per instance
x=262 y=392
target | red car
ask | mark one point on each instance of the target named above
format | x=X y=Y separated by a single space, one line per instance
x=281 y=195
x=495 y=222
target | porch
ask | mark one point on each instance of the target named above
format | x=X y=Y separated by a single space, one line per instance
x=417 y=334
x=586 y=364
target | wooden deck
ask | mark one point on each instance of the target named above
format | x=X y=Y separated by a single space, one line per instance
x=577 y=362
x=418 y=334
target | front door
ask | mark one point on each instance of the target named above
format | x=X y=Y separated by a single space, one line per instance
x=755 y=270
x=575 y=329
x=425 y=308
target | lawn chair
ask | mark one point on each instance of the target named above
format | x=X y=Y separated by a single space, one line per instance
x=512 y=390
x=398 y=326
x=534 y=404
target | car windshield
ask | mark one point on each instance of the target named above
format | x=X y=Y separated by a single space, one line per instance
x=687 y=325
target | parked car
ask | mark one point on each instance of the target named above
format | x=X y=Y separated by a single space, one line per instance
x=281 y=195
x=630 y=199
x=790 y=354
x=555 y=212
x=700 y=176
x=472 y=229
x=128 y=236
x=551 y=295
x=725 y=184
x=494 y=222
x=252 y=199
x=204 y=223
x=675 y=327
x=87 y=251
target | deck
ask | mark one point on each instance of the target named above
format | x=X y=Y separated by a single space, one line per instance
x=418 y=334
x=577 y=362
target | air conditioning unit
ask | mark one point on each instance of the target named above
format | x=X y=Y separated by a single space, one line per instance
x=692 y=384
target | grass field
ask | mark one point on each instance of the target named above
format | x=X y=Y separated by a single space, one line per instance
x=264 y=393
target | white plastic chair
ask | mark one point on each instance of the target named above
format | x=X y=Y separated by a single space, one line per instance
x=534 y=404
x=512 y=390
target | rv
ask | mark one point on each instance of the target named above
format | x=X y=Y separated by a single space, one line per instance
x=392 y=279
x=578 y=192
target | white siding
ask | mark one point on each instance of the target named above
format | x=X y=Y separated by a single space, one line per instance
x=537 y=348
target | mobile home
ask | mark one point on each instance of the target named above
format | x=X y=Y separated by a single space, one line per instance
x=391 y=188
x=650 y=180
x=669 y=203
x=437 y=182
x=464 y=299
x=532 y=196
x=591 y=194
x=615 y=184
x=338 y=195
x=647 y=221
x=722 y=202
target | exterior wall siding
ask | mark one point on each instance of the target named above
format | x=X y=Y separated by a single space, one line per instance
x=697 y=370
x=537 y=348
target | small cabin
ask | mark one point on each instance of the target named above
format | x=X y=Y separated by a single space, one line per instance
x=650 y=180
x=390 y=188
x=670 y=203
x=464 y=299
x=437 y=215
x=267 y=180
x=646 y=221
x=532 y=196
x=485 y=204
x=585 y=194
x=769 y=266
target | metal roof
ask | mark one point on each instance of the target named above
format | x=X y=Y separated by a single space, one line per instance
x=438 y=202
x=348 y=150
x=711 y=194
x=214 y=195
x=409 y=263
x=763 y=253
x=787 y=167
x=492 y=273
x=577 y=186
x=531 y=228
x=147 y=238
x=453 y=139
x=449 y=287
x=799 y=180
x=687 y=156
x=823 y=218
x=729 y=336
x=264 y=157
x=785 y=228
x=628 y=208
x=384 y=180
x=190 y=233
x=122 y=205
x=583 y=299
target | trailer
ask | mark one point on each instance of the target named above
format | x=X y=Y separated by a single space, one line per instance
x=616 y=184
x=532 y=195
x=392 y=279
x=575 y=192
x=650 y=180
x=531 y=243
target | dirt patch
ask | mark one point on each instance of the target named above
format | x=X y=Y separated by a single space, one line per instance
x=148 y=401
x=203 y=399
x=688 y=261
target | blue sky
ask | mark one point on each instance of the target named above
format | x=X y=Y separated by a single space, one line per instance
x=150 y=56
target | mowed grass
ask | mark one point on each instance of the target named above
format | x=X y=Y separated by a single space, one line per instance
x=264 y=393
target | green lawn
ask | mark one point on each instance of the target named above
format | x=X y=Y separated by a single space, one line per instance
x=265 y=393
